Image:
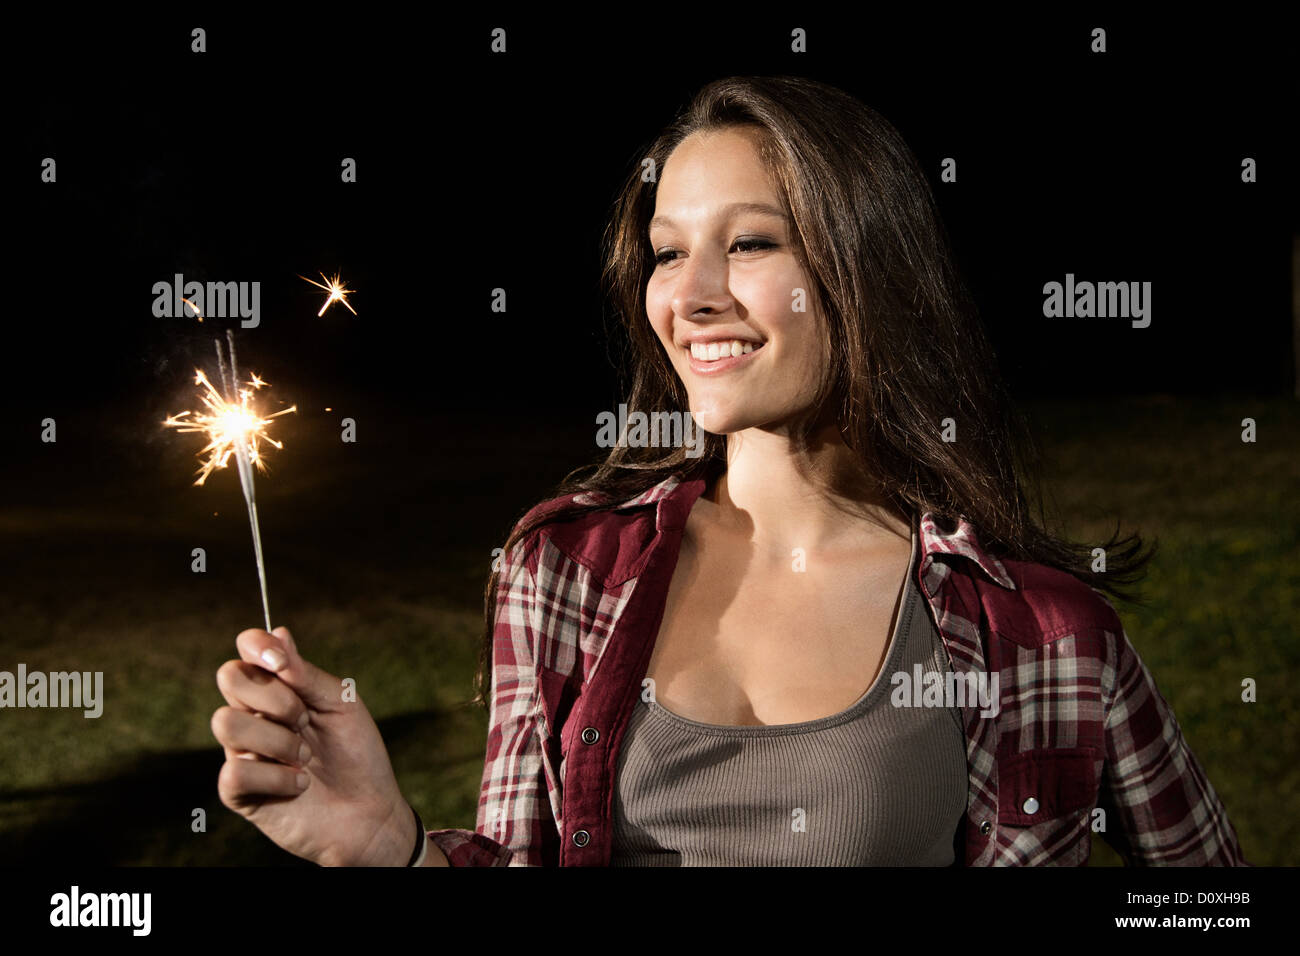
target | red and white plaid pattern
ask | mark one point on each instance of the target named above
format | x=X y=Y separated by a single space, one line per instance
x=1081 y=739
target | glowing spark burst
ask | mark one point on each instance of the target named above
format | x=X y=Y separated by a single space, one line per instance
x=336 y=292
x=234 y=426
x=230 y=426
x=197 y=314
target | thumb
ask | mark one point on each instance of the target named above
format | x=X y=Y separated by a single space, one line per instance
x=283 y=634
x=278 y=652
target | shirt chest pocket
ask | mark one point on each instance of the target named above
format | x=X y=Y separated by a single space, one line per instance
x=1038 y=786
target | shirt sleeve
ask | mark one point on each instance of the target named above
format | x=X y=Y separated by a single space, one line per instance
x=515 y=824
x=1160 y=806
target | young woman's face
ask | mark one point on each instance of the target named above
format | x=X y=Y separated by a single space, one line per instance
x=727 y=281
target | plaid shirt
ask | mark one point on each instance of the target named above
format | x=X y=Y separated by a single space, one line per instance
x=1079 y=726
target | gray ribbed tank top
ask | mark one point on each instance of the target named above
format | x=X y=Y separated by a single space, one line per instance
x=874 y=785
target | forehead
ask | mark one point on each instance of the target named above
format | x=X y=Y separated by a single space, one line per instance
x=715 y=166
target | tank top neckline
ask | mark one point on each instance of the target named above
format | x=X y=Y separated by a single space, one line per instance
x=894 y=650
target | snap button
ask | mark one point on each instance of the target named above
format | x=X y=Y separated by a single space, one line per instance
x=985 y=827
x=1031 y=805
x=581 y=837
x=590 y=735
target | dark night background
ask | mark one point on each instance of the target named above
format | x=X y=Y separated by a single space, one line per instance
x=478 y=171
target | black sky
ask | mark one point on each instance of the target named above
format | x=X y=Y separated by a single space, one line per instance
x=478 y=171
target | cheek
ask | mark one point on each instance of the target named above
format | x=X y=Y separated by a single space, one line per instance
x=772 y=295
x=802 y=352
x=658 y=309
x=776 y=298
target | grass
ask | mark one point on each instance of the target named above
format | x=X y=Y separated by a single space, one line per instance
x=1223 y=591
x=387 y=591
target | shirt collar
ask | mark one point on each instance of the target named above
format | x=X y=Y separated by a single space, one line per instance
x=964 y=541
x=673 y=499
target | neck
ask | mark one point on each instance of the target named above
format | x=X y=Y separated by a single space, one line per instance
x=790 y=494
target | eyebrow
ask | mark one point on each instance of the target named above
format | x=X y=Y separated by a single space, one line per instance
x=732 y=210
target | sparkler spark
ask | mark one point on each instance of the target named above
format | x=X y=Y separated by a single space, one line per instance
x=228 y=425
x=234 y=427
x=336 y=292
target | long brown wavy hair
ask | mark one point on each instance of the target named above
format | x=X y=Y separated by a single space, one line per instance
x=908 y=349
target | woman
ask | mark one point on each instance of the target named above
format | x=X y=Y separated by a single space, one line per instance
x=836 y=636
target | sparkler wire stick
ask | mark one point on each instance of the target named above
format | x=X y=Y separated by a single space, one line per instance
x=227 y=385
x=246 y=474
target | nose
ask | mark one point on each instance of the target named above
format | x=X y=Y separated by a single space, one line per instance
x=700 y=285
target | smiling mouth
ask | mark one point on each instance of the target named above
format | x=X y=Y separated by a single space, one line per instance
x=717 y=351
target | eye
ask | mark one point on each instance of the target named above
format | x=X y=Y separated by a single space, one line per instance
x=740 y=245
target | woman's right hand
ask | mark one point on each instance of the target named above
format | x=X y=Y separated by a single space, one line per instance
x=349 y=811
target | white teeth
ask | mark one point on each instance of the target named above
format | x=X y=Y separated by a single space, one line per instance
x=713 y=351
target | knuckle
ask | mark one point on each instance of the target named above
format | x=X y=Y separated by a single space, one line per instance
x=288 y=707
x=228 y=783
x=221 y=720
x=227 y=674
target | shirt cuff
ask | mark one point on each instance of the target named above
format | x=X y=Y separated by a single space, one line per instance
x=468 y=848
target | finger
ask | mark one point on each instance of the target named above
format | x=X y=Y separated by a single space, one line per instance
x=249 y=687
x=282 y=632
x=239 y=730
x=278 y=653
x=242 y=782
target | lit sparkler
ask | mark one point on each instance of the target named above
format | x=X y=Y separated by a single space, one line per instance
x=234 y=427
x=336 y=292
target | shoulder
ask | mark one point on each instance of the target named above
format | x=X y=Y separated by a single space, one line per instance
x=1047 y=604
x=1025 y=602
x=610 y=538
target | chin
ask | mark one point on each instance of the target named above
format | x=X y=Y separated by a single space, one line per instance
x=717 y=421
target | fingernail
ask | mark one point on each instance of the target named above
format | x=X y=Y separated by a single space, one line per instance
x=273 y=658
x=304 y=754
x=302 y=781
x=304 y=720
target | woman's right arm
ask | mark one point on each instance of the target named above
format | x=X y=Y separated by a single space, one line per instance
x=305 y=762
x=288 y=722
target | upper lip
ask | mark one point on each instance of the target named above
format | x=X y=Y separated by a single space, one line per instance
x=705 y=336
